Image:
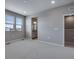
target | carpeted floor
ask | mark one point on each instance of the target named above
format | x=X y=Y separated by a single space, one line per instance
x=35 y=49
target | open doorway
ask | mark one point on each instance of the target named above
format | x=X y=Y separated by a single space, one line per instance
x=69 y=31
x=34 y=28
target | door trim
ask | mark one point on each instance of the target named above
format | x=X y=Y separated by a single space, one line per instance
x=64 y=27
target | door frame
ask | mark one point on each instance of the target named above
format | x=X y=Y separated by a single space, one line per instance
x=64 y=26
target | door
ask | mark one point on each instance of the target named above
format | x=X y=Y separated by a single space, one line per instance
x=69 y=31
x=34 y=28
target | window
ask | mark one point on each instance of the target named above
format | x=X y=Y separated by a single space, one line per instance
x=18 y=24
x=9 y=23
x=13 y=23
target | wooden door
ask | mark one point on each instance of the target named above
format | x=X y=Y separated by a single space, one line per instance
x=69 y=30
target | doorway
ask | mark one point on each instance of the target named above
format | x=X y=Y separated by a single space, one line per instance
x=69 y=31
x=34 y=28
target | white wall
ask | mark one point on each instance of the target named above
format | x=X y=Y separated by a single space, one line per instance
x=50 y=24
x=28 y=27
x=13 y=35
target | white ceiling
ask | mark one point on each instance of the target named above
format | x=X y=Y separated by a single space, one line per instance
x=29 y=7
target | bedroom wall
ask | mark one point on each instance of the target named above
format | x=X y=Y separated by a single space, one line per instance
x=50 y=24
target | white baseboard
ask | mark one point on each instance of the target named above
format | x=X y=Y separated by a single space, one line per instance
x=54 y=44
x=49 y=43
x=11 y=41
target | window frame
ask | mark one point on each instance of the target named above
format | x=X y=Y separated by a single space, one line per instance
x=10 y=23
x=19 y=24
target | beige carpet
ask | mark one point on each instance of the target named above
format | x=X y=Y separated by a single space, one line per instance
x=35 y=49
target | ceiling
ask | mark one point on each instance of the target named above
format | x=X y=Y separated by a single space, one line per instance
x=29 y=7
